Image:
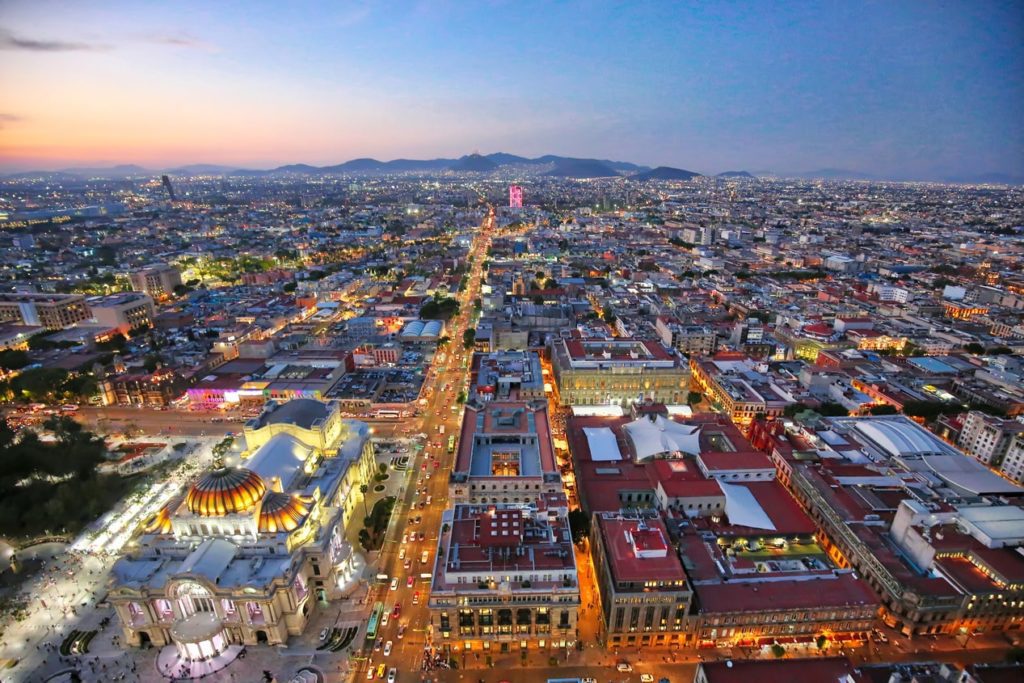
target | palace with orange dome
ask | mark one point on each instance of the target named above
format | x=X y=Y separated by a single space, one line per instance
x=249 y=551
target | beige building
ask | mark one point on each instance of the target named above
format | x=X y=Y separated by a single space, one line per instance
x=157 y=280
x=127 y=311
x=52 y=311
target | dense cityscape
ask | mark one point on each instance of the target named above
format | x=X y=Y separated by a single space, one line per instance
x=419 y=341
x=510 y=423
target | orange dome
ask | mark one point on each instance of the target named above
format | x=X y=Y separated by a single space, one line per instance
x=225 y=491
x=282 y=512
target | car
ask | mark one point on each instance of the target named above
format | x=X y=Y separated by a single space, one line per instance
x=401 y=554
x=409 y=582
x=401 y=631
x=405 y=537
x=407 y=564
x=323 y=633
x=378 y=644
x=644 y=678
x=588 y=679
x=624 y=667
x=398 y=610
x=416 y=598
x=380 y=671
x=394 y=584
x=392 y=675
x=387 y=650
x=370 y=672
x=384 y=619
x=420 y=536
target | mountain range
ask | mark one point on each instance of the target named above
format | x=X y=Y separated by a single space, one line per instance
x=549 y=164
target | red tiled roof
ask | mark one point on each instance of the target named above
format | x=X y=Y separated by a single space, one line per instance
x=622 y=559
x=738 y=596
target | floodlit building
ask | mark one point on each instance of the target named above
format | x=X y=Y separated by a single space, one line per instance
x=505 y=455
x=617 y=371
x=248 y=552
x=935 y=533
x=52 y=311
x=645 y=597
x=126 y=311
x=504 y=579
x=157 y=280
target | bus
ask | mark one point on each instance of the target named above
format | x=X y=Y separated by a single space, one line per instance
x=374 y=623
x=388 y=414
x=451 y=443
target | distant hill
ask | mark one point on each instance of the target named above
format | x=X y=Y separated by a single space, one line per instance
x=303 y=169
x=735 y=174
x=581 y=168
x=665 y=173
x=355 y=166
x=200 y=169
x=474 y=163
x=120 y=171
x=503 y=159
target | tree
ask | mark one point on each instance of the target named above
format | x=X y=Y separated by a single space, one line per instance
x=289 y=287
x=469 y=338
x=12 y=359
x=975 y=348
x=883 y=409
x=694 y=397
x=363 y=488
x=579 y=525
x=461 y=398
x=929 y=410
x=539 y=300
x=821 y=641
x=443 y=341
x=778 y=650
x=832 y=409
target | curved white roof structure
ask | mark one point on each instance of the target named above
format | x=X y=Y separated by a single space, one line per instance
x=431 y=329
x=662 y=436
x=900 y=439
x=413 y=329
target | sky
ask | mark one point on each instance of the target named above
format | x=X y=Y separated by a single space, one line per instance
x=895 y=88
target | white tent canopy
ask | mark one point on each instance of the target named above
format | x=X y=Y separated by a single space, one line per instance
x=662 y=436
x=742 y=508
x=603 y=446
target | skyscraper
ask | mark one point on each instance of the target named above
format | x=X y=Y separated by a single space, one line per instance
x=515 y=197
x=167 y=185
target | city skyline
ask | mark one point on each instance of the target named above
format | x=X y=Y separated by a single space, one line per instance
x=903 y=92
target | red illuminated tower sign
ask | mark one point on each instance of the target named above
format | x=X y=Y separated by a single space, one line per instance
x=515 y=197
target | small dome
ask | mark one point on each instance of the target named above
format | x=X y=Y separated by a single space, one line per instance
x=225 y=491
x=282 y=512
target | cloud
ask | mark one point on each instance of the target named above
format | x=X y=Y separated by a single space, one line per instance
x=9 y=118
x=180 y=40
x=9 y=41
